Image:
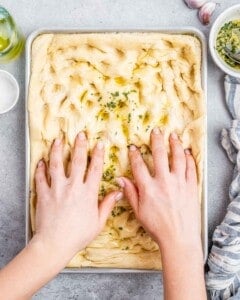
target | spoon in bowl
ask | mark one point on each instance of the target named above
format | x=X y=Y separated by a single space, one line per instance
x=233 y=56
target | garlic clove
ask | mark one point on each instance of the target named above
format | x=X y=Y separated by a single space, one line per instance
x=206 y=12
x=195 y=3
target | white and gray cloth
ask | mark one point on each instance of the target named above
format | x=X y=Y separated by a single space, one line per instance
x=223 y=278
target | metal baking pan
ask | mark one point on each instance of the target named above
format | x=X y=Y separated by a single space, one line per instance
x=184 y=30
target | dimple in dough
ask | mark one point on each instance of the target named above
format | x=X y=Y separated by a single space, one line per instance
x=116 y=87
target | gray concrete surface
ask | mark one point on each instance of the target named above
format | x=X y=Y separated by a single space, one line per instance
x=34 y=14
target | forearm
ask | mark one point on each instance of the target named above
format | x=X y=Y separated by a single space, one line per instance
x=33 y=267
x=183 y=271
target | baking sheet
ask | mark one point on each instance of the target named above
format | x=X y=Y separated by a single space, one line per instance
x=185 y=30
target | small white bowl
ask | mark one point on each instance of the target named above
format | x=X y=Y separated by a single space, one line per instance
x=232 y=13
x=9 y=91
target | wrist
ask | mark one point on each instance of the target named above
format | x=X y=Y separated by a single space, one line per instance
x=181 y=260
x=182 y=247
x=48 y=254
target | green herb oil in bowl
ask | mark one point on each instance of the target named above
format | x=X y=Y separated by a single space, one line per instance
x=229 y=37
x=11 y=40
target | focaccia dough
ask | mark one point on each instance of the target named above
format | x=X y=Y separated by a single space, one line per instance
x=116 y=87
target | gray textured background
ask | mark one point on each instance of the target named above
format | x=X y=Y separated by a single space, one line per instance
x=31 y=15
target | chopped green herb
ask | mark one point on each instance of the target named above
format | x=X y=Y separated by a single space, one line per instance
x=113 y=157
x=129 y=118
x=116 y=94
x=147 y=128
x=108 y=175
x=125 y=94
x=102 y=191
x=118 y=210
x=111 y=105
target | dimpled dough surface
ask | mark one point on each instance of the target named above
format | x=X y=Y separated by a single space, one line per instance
x=115 y=87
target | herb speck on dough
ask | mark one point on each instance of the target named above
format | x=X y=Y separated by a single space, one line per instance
x=118 y=210
x=116 y=94
x=129 y=118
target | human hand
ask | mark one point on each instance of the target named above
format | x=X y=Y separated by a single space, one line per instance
x=68 y=216
x=166 y=204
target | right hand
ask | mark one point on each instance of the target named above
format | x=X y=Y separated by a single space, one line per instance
x=166 y=204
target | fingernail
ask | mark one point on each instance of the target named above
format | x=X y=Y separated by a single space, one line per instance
x=40 y=163
x=174 y=136
x=57 y=142
x=81 y=136
x=133 y=148
x=187 y=151
x=120 y=182
x=100 y=145
x=119 y=196
x=156 y=130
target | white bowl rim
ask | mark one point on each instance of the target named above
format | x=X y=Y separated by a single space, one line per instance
x=218 y=61
x=16 y=85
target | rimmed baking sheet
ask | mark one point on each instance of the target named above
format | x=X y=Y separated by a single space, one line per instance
x=185 y=30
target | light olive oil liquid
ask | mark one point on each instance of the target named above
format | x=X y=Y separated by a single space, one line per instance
x=11 y=40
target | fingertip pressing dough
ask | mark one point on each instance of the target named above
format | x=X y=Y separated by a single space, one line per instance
x=116 y=87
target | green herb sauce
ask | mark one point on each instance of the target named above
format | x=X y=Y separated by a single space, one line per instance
x=229 y=35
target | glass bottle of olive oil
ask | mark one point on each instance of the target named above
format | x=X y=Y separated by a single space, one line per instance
x=11 y=40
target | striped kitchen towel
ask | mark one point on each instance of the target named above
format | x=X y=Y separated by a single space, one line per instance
x=223 y=278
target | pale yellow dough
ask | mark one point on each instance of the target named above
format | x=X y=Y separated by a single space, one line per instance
x=115 y=87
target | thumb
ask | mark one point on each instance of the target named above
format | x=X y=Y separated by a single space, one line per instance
x=130 y=191
x=107 y=204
